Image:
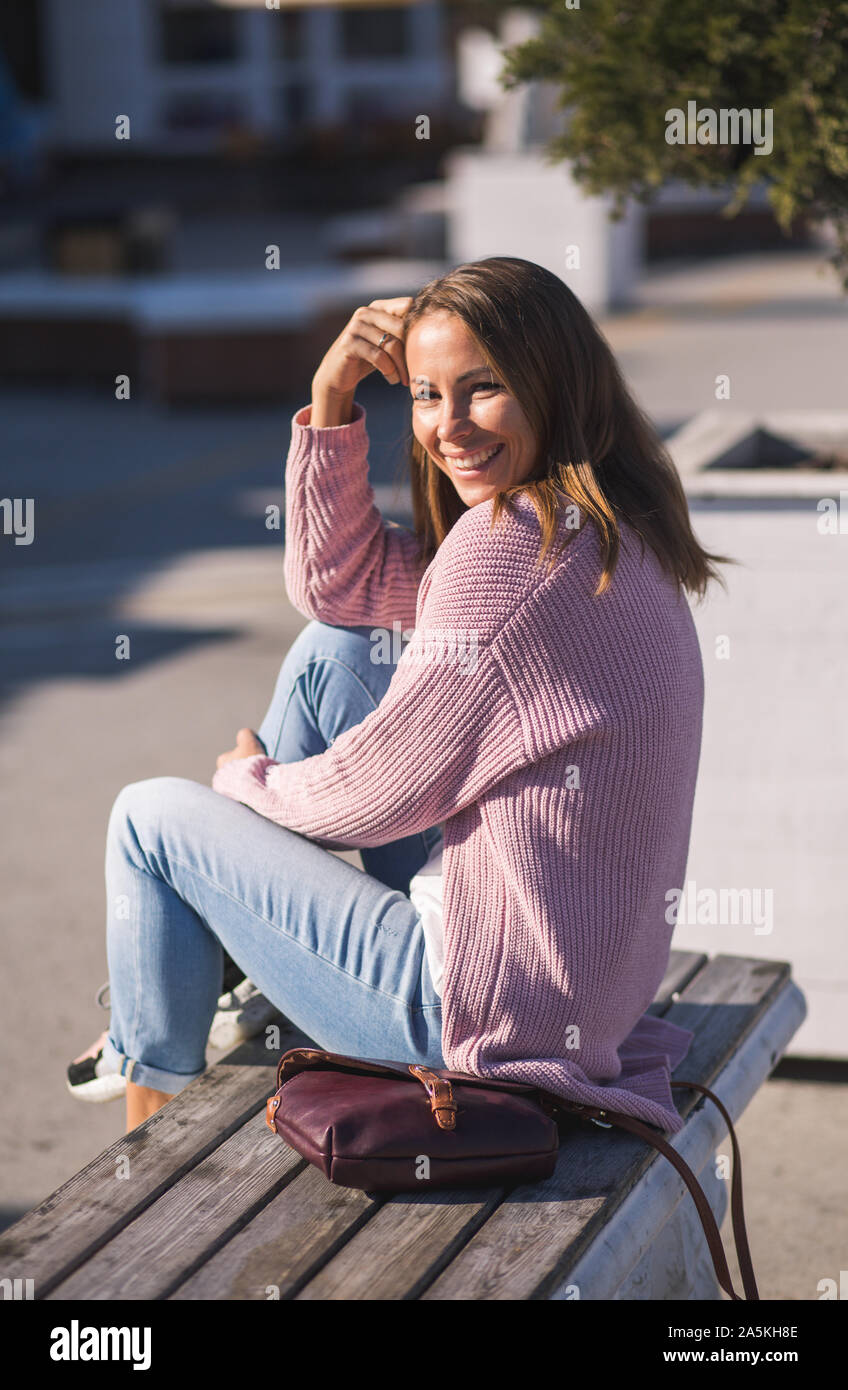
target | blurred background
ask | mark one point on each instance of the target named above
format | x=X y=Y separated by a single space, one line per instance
x=195 y=198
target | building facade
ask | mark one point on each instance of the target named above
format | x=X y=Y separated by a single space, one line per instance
x=190 y=75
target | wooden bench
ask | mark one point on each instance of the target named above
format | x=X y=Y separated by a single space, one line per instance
x=203 y=1202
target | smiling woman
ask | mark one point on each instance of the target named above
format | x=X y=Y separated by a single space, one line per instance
x=508 y=355
x=466 y=420
x=521 y=818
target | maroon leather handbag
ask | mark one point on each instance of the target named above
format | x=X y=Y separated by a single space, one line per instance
x=402 y=1127
x=393 y=1127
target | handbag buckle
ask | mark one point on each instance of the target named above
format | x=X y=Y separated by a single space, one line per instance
x=271 y=1109
x=442 y=1103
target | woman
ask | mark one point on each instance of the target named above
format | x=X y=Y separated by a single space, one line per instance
x=537 y=740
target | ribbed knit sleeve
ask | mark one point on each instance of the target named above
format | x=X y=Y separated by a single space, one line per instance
x=446 y=730
x=343 y=563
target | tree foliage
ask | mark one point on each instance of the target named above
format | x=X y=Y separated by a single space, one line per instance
x=623 y=64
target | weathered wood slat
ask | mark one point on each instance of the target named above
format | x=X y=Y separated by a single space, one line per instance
x=188 y=1222
x=682 y=967
x=92 y=1206
x=417 y=1237
x=533 y=1238
x=286 y=1244
x=721 y=1005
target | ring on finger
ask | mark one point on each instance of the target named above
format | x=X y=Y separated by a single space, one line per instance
x=383 y=339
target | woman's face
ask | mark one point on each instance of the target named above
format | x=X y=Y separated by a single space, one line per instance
x=464 y=417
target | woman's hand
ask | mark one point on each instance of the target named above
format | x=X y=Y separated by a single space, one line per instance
x=247 y=745
x=356 y=351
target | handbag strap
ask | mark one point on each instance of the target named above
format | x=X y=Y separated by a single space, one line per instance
x=708 y=1221
x=737 y=1212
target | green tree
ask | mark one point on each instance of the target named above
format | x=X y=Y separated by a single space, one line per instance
x=622 y=65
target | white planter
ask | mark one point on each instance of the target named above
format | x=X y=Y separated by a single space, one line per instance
x=514 y=204
x=771 y=806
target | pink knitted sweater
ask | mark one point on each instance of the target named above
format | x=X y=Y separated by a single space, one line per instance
x=562 y=757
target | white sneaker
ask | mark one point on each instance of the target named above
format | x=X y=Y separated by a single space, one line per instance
x=87 y=1080
x=242 y=1013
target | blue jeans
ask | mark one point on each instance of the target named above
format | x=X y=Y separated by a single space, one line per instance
x=190 y=872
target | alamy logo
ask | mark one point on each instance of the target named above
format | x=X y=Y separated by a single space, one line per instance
x=722 y=907
x=17 y=1288
x=77 y=1343
x=449 y=645
x=18 y=518
x=727 y=126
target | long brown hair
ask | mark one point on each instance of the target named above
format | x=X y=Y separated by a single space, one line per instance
x=594 y=443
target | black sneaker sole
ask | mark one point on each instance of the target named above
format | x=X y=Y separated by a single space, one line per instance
x=84 y=1083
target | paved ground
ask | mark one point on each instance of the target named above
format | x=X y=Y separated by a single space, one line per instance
x=153 y=524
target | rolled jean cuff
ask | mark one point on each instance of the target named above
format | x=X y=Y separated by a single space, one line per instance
x=141 y=1074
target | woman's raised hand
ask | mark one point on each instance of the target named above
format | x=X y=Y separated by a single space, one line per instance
x=358 y=349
